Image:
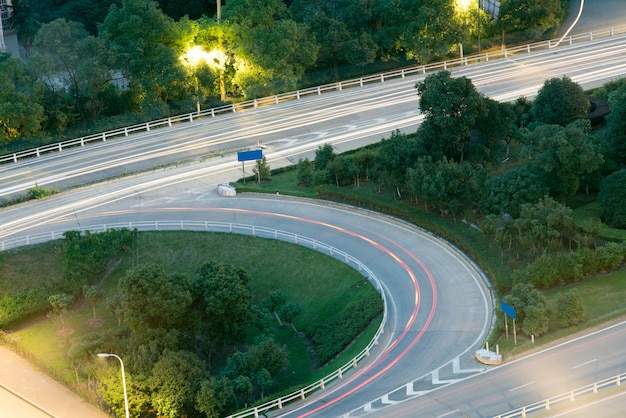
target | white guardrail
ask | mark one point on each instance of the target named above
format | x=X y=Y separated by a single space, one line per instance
x=251 y=104
x=255 y=231
x=571 y=396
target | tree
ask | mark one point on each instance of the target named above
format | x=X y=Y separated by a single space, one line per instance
x=562 y=156
x=451 y=106
x=570 y=308
x=274 y=302
x=152 y=300
x=444 y=184
x=93 y=293
x=535 y=321
x=534 y=19
x=343 y=30
x=530 y=308
x=272 y=51
x=175 y=382
x=215 y=397
x=559 y=102
x=146 y=45
x=60 y=304
x=304 y=173
x=508 y=192
x=541 y=225
x=395 y=156
x=417 y=30
x=68 y=59
x=493 y=126
x=616 y=125
x=612 y=199
x=262 y=170
x=226 y=301
x=290 y=311
x=323 y=155
x=113 y=393
x=20 y=114
x=114 y=305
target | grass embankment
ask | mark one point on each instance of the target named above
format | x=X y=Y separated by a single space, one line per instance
x=604 y=295
x=320 y=284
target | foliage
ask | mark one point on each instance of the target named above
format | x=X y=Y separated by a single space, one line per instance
x=323 y=156
x=612 y=199
x=262 y=170
x=153 y=300
x=560 y=102
x=451 y=106
x=14 y=307
x=222 y=292
x=535 y=19
x=70 y=60
x=19 y=113
x=541 y=225
x=530 y=307
x=536 y=321
x=60 y=304
x=175 y=382
x=561 y=156
x=446 y=185
x=333 y=336
x=85 y=255
x=570 y=308
x=39 y=192
x=509 y=191
x=305 y=172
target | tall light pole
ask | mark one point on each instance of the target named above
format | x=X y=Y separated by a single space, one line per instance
x=123 y=378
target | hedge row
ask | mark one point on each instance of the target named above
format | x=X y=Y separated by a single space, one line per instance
x=333 y=336
x=553 y=270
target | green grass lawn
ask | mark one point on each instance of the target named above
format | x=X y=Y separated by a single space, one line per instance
x=320 y=284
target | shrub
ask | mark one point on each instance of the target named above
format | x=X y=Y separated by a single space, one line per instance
x=611 y=256
x=333 y=336
x=570 y=309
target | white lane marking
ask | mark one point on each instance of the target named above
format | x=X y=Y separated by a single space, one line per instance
x=584 y=364
x=522 y=386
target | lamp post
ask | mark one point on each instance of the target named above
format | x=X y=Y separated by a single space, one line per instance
x=123 y=378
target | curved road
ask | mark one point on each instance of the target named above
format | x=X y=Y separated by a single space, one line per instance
x=427 y=327
x=432 y=332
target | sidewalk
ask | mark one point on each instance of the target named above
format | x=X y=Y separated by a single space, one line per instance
x=39 y=391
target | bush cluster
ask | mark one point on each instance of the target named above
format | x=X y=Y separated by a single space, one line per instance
x=332 y=337
x=552 y=270
x=84 y=259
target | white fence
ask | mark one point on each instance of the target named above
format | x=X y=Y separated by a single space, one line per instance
x=296 y=95
x=255 y=231
x=563 y=398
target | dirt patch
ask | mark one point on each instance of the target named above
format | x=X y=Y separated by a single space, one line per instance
x=65 y=331
x=95 y=322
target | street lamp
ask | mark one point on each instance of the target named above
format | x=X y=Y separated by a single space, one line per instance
x=123 y=378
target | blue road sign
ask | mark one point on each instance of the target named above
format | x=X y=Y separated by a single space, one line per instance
x=253 y=155
x=508 y=310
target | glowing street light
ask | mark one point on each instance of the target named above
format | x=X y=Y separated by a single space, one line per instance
x=215 y=58
x=123 y=378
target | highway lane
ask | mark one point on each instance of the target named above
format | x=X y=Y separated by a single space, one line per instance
x=295 y=129
x=555 y=371
x=439 y=309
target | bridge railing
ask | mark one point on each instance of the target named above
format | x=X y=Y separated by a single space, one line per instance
x=318 y=90
x=256 y=231
x=563 y=398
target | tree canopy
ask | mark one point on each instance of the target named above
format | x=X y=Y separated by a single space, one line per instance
x=451 y=106
x=560 y=102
